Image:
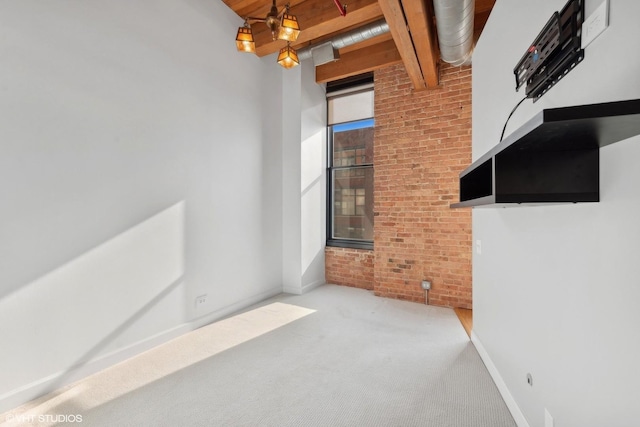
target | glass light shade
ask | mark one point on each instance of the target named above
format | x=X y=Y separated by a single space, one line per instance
x=244 y=40
x=289 y=28
x=288 y=57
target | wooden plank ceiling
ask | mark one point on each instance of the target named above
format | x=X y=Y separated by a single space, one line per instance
x=412 y=39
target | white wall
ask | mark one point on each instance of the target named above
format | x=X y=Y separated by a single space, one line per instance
x=304 y=183
x=291 y=173
x=313 y=179
x=140 y=167
x=556 y=287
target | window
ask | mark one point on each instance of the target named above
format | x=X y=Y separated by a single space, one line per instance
x=350 y=174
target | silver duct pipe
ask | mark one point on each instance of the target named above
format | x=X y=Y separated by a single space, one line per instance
x=352 y=37
x=454 y=21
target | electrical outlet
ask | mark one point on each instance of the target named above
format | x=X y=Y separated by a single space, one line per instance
x=479 y=247
x=200 y=300
x=595 y=24
x=426 y=285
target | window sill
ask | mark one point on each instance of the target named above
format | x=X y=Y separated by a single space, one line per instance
x=353 y=244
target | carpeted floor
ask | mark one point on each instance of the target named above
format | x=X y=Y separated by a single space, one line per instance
x=333 y=357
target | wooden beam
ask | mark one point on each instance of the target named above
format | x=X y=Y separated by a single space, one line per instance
x=359 y=61
x=258 y=8
x=246 y=8
x=479 y=21
x=484 y=5
x=317 y=18
x=394 y=15
x=420 y=21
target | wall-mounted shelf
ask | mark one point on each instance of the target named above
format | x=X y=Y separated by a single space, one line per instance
x=553 y=158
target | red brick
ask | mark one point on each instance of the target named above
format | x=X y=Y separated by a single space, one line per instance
x=422 y=141
x=349 y=267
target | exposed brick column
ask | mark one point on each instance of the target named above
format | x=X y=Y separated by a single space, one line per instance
x=422 y=142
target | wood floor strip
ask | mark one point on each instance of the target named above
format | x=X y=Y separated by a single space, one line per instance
x=466 y=318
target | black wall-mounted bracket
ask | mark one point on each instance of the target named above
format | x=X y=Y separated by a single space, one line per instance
x=553 y=53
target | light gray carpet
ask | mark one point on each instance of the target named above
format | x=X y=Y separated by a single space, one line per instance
x=358 y=360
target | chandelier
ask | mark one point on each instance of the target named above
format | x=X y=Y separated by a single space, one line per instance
x=283 y=26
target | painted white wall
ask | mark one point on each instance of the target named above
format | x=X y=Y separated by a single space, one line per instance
x=556 y=287
x=313 y=179
x=304 y=183
x=291 y=173
x=139 y=168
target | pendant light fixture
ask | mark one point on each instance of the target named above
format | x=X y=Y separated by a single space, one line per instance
x=244 y=39
x=283 y=26
x=288 y=57
x=289 y=28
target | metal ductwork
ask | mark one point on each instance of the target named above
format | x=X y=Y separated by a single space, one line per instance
x=352 y=37
x=454 y=21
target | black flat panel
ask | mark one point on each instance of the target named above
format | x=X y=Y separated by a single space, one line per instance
x=547 y=176
x=569 y=128
x=477 y=183
x=553 y=157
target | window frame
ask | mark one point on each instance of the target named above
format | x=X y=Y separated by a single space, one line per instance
x=343 y=242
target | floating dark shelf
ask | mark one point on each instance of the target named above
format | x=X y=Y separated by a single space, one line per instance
x=553 y=158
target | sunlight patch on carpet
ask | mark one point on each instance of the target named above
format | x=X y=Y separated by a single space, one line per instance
x=154 y=364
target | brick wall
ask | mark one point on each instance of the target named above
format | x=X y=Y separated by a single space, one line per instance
x=422 y=142
x=349 y=267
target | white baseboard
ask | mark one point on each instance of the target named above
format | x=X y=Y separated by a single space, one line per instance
x=304 y=289
x=311 y=286
x=513 y=407
x=242 y=304
x=43 y=386
x=292 y=290
x=38 y=388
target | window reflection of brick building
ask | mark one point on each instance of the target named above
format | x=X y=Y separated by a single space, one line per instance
x=353 y=181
